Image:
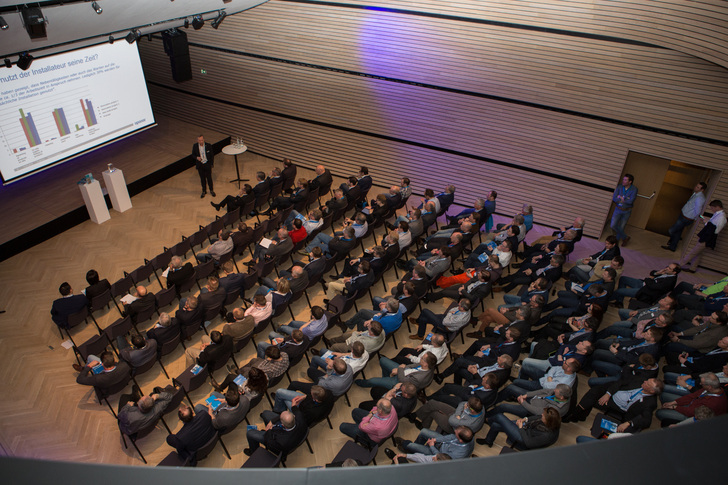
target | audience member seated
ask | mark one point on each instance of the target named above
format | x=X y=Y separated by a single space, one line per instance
x=137 y=412
x=178 y=272
x=281 y=436
x=525 y=433
x=457 y=445
x=232 y=202
x=372 y=427
x=66 y=305
x=218 y=249
x=95 y=286
x=197 y=430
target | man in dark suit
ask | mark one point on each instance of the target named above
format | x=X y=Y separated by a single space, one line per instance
x=283 y=245
x=289 y=173
x=282 y=436
x=178 y=273
x=204 y=160
x=323 y=179
x=232 y=282
x=112 y=373
x=140 y=352
x=67 y=305
x=144 y=302
x=196 y=431
x=95 y=286
x=635 y=403
x=189 y=313
x=211 y=349
x=212 y=295
x=262 y=186
x=337 y=202
x=164 y=330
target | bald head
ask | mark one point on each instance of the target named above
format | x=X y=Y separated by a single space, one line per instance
x=141 y=291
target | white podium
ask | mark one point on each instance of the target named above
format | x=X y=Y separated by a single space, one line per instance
x=118 y=193
x=95 y=203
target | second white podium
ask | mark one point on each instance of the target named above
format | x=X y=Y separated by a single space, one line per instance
x=118 y=193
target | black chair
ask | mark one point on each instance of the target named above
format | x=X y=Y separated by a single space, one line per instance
x=275 y=190
x=204 y=270
x=100 y=301
x=93 y=346
x=121 y=326
x=356 y=452
x=143 y=316
x=165 y=297
x=259 y=328
x=239 y=345
x=74 y=320
x=137 y=436
x=271 y=384
x=189 y=381
x=186 y=285
x=260 y=201
x=160 y=262
x=262 y=458
x=305 y=439
x=231 y=217
x=173 y=459
x=143 y=272
x=197 y=239
x=105 y=393
x=144 y=367
x=181 y=248
x=167 y=347
x=213 y=228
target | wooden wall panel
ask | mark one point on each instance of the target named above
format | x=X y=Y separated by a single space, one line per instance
x=697 y=27
x=541 y=117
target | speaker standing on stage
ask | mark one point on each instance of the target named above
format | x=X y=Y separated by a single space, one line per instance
x=204 y=160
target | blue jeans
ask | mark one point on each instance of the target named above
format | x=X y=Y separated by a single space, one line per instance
x=500 y=423
x=359 y=318
x=288 y=329
x=535 y=367
x=619 y=221
x=387 y=366
x=676 y=231
x=283 y=400
x=321 y=240
x=627 y=287
x=419 y=446
x=511 y=301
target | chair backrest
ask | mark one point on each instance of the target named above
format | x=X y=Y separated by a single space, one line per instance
x=105 y=392
x=173 y=404
x=144 y=315
x=93 y=346
x=181 y=248
x=121 y=286
x=165 y=297
x=219 y=362
x=262 y=458
x=168 y=346
x=239 y=345
x=120 y=327
x=204 y=270
x=78 y=317
x=198 y=238
x=141 y=369
x=213 y=228
x=262 y=199
x=187 y=285
x=275 y=190
x=212 y=312
x=205 y=449
x=161 y=260
x=231 y=217
x=100 y=301
x=190 y=381
x=143 y=272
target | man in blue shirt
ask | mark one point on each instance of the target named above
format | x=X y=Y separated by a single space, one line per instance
x=624 y=197
x=689 y=214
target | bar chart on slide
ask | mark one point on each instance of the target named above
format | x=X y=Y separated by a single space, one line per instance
x=42 y=120
x=69 y=104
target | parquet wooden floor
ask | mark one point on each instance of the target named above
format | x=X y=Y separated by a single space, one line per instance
x=46 y=415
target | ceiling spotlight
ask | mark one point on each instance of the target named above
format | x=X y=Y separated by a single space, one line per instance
x=133 y=36
x=3 y=24
x=187 y=23
x=216 y=23
x=97 y=8
x=24 y=61
x=197 y=22
x=111 y=39
x=8 y=63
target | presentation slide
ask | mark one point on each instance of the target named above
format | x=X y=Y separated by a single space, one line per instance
x=68 y=104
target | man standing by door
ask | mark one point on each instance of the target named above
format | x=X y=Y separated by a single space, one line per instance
x=690 y=212
x=204 y=159
x=624 y=196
